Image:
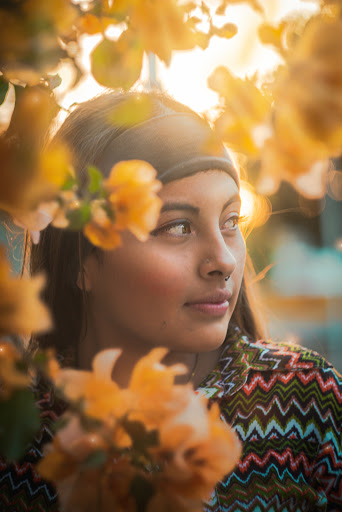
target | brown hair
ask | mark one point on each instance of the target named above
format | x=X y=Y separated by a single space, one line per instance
x=60 y=253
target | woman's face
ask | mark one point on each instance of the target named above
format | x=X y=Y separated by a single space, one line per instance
x=171 y=290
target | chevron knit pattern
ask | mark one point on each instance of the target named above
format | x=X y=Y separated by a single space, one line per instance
x=284 y=402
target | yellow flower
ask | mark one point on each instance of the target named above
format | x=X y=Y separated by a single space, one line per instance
x=80 y=483
x=101 y=231
x=101 y=396
x=132 y=190
x=247 y=108
x=59 y=14
x=161 y=27
x=10 y=377
x=196 y=450
x=30 y=175
x=21 y=310
x=308 y=107
x=154 y=396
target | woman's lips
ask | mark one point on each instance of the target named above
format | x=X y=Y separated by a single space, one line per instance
x=210 y=308
x=215 y=304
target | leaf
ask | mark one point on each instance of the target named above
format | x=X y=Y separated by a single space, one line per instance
x=205 y=9
x=142 y=490
x=272 y=35
x=19 y=422
x=189 y=6
x=69 y=183
x=95 y=459
x=193 y=21
x=117 y=63
x=79 y=217
x=221 y=10
x=202 y=39
x=254 y=4
x=62 y=422
x=3 y=89
x=142 y=438
x=95 y=179
x=228 y=30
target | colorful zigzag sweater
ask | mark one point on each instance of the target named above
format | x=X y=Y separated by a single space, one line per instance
x=284 y=402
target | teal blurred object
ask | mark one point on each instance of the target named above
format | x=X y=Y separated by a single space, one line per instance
x=12 y=237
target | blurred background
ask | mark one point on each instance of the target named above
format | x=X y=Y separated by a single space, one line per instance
x=297 y=252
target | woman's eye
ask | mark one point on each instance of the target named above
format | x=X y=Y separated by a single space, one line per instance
x=233 y=222
x=175 y=228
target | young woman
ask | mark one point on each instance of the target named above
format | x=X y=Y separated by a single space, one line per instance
x=186 y=288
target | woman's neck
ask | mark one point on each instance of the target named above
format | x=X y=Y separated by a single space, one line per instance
x=97 y=338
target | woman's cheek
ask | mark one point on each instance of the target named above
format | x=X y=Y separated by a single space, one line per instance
x=163 y=279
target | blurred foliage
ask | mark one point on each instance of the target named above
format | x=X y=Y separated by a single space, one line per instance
x=286 y=127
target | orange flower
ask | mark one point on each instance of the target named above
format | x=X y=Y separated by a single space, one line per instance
x=153 y=394
x=21 y=310
x=161 y=27
x=247 y=109
x=307 y=120
x=101 y=231
x=100 y=395
x=70 y=461
x=196 y=450
x=313 y=87
x=10 y=377
x=30 y=177
x=132 y=190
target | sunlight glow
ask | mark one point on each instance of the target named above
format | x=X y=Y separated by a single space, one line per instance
x=247 y=201
x=186 y=77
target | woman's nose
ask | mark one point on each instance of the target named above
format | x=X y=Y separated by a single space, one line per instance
x=218 y=258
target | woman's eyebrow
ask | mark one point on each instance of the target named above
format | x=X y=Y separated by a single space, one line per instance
x=179 y=206
x=194 y=209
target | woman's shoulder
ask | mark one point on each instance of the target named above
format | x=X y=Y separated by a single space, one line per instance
x=265 y=362
x=268 y=354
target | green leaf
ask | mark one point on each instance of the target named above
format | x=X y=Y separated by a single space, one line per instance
x=69 y=183
x=95 y=459
x=142 y=490
x=62 y=422
x=79 y=217
x=142 y=438
x=40 y=358
x=3 y=89
x=95 y=179
x=19 y=422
